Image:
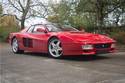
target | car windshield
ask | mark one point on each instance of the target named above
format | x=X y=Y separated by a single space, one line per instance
x=56 y=28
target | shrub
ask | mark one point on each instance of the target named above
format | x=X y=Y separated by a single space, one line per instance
x=119 y=37
x=4 y=32
x=8 y=24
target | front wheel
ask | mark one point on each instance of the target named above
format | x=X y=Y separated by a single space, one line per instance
x=55 y=48
x=15 y=46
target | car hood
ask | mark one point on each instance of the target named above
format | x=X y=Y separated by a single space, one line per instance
x=89 y=37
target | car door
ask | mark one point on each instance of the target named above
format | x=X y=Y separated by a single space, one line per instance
x=39 y=39
x=27 y=39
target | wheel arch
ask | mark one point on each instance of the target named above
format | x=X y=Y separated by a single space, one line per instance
x=51 y=38
x=12 y=39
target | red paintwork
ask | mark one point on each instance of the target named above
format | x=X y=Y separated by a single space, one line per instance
x=71 y=41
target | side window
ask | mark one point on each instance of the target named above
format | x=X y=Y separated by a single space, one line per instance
x=38 y=27
x=49 y=27
x=30 y=30
x=52 y=28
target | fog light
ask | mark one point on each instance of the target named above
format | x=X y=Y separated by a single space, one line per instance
x=113 y=45
x=87 y=47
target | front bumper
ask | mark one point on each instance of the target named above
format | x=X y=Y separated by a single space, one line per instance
x=76 y=50
x=98 y=51
x=101 y=48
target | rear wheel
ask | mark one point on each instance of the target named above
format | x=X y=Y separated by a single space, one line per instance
x=55 y=48
x=15 y=46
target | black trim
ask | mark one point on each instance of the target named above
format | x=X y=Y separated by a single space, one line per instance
x=101 y=46
x=27 y=42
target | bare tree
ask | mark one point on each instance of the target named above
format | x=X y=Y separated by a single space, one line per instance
x=1 y=9
x=24 y=9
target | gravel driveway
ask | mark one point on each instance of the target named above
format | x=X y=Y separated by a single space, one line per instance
x=39 y=68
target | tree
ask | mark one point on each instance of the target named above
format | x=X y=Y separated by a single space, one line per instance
x=1 y=9
x=24 y=9
x=101 y=10
x=72 y=12
x=60 y=12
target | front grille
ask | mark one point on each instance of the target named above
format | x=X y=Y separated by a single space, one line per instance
x=100 y=46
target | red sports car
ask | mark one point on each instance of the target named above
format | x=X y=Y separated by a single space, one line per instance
x=60 y=41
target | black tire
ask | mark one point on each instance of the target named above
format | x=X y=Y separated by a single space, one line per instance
x=15 y=47
x=55 y=48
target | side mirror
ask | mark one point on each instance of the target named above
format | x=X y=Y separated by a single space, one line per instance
x=41 y=30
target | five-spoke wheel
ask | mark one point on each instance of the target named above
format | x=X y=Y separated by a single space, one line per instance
x=55 y=48
x=15 y=46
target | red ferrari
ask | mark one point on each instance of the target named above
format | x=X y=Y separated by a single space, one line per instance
x=60 y=41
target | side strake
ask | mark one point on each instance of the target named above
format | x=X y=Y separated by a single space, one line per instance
x=27 y=42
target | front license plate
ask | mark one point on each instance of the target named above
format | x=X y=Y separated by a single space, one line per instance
x=102 y=51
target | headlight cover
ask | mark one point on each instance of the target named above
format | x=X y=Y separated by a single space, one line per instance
x=87 y=47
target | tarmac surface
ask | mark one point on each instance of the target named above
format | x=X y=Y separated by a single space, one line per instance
x=39 y=68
